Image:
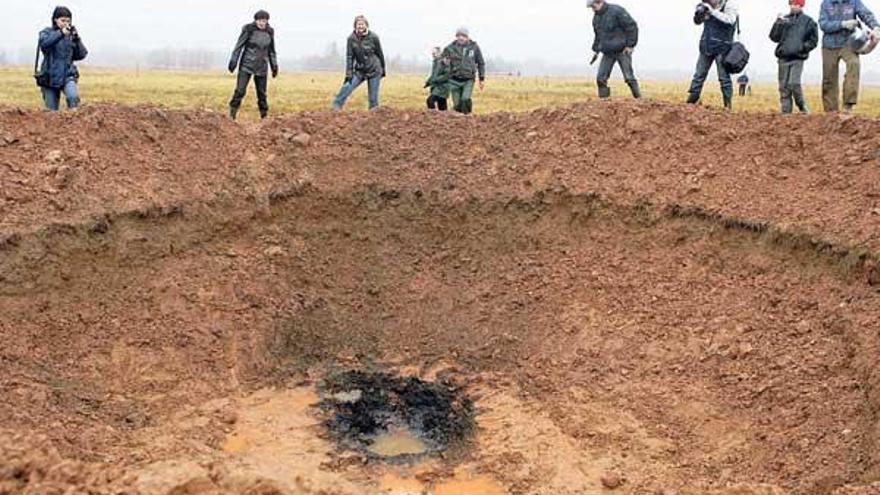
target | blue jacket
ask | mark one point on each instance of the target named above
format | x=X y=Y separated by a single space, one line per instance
x=59 y=54
x=834 y=12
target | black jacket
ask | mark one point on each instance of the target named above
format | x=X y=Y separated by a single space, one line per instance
x=615 y=30
x=796 y=36
x=364 y=56
x=254 y=52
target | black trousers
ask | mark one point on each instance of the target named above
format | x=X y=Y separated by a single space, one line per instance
x=437 y=103
x=260 y=82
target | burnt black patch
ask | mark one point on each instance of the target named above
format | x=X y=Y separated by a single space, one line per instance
x=362 y=406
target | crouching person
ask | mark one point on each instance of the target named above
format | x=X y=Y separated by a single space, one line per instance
x=796 y=35
x=466 y=63
x=438 y=82
x=617 y=35
x=61 y=46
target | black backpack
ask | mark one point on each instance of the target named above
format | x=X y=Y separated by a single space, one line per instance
x=41 y=78
x=737 y=57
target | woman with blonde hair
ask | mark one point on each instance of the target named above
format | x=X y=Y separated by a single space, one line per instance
x=364 y=61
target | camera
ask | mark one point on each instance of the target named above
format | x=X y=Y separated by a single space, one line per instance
x=702 y=13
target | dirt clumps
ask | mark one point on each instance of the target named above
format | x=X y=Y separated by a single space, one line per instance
x=677 y=297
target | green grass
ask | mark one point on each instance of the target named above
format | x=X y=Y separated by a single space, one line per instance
x=314 y=90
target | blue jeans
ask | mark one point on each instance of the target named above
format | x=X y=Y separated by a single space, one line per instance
x=52 y=96
x=704 y=63
x=348 y=88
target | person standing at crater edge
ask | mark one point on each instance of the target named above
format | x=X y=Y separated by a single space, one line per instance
x=838 y=19
x=617 y=35
x=719 y=19
x=795 y=35
x=466 y=63
x=61 y=46
x=364 y=61
x=438 y=81
x=254 y=54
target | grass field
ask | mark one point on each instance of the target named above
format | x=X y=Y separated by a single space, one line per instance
x=314 y=90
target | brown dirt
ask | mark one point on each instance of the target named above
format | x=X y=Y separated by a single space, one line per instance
x=680 y=299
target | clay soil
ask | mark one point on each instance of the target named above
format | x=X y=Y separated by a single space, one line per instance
x=637 y=297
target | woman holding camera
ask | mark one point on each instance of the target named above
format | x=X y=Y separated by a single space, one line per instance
x=719 y=18
x=61 y=46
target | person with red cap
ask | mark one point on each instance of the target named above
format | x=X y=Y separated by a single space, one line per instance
x=796 y=35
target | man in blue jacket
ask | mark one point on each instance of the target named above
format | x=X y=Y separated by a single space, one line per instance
x=838 y=19
x=719 y=18
x=61 y=46
x=616 y=36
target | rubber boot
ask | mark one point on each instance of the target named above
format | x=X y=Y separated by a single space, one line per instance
x=634 y=87
x=728 y=102
x=233 y=113
x=693 y=99
x=264 y=114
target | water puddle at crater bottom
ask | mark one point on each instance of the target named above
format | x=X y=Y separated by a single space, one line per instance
x=397 y=442
x=461 y=484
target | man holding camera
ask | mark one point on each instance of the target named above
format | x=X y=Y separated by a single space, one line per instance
x=795 y=35
x=617 y=35
x=838 y=20
x=719 y=19
x=61 y=46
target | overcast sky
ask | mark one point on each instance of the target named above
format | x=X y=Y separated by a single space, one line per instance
x=555 y=31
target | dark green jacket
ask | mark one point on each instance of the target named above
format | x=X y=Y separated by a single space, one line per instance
x=615 y=30
x=254 y=52
x=439 y=79
x=796 y=35
x=465 y=61
x=364 y=56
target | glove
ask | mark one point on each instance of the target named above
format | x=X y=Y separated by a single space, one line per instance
x=850 y=24
x=231 y=67
x=427 y=85
x=347 y=80
x=275 y=72
x=383 y=74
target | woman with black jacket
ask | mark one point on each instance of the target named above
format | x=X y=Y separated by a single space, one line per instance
x=61 y=46
x=364 y=61
x=254 y=55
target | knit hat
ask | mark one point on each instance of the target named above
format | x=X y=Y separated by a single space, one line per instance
x=261 y=14
x=591 y=2
x=60 y=12
x=798 y=3
x=463 y=30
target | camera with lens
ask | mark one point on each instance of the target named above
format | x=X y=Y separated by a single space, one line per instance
x=702 y=13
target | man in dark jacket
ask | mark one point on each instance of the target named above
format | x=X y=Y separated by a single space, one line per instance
x=617 y=35
x=254 y=54
x=466 y=63
x=838 y=19
x=796 y=35
x=719 y=19
x=61 y=46
x=438 y=82
x=364 y=61
x=743 y=82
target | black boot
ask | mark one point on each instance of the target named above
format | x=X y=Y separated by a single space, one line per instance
x=264 y=114
x=635 y=89
x=233 y=112
x=728 y=102
x=693 y=99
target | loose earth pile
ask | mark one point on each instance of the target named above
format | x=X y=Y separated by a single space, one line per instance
x=637 y=296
